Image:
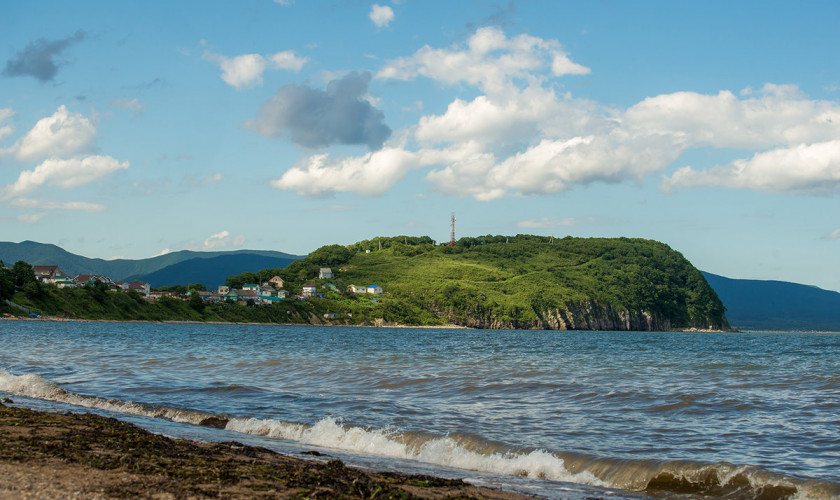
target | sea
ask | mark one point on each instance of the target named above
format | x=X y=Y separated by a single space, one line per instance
x=557 y=414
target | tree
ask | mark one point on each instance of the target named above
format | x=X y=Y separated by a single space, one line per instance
x=7 y=284
x=23 y=274
x=196 y=302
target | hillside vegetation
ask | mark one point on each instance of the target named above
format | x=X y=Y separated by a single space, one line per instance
x=487 y=282
x=523 y=282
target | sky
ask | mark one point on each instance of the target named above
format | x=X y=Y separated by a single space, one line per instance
x=134 y=128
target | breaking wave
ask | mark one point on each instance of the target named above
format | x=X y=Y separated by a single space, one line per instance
x=654 y=477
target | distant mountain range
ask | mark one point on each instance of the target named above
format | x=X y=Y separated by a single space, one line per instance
x=751 y=304
x=776 y=305
x=177 y=268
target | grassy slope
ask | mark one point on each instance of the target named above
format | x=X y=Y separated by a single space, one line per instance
x=507 y=282
x=520 y=278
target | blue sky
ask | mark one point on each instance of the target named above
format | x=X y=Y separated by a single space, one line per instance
x=133 y=128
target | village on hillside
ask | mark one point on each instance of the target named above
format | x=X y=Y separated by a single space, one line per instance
x=265 y=293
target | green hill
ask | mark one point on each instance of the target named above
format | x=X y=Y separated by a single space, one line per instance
x=525 y=282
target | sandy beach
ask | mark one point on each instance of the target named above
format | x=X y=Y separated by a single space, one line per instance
x=84 y=456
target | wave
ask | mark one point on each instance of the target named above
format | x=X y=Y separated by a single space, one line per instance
x=468 y=452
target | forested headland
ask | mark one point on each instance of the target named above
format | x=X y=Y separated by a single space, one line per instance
x=523 y=282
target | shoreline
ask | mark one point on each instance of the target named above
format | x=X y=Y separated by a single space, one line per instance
x=86 y=456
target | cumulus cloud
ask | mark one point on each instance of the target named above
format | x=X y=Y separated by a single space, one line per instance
x=223 y=240
x=38 y=58
x=62 y=134
x=65 y=174
x=381 y=15
x=247 y=70
x=804 y=169
x=314 y=118
x=489 y=61
x=372 y=174
x=522 y=137
x=776 y=115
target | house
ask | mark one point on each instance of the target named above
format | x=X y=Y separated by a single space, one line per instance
x=46 y=273
x=308 y=291
x=242 y=296
x=141 y=288
x=84 y=279
x=276 y=281
x=271 y=300
x=332 y=315
x=253 y=287
x=223 y=290
x=374 y=289
x=357 y=289
x=63 y=281
x=268 y=291
x=211 y=297
x=325 y=273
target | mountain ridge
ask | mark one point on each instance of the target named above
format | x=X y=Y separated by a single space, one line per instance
x=36 y=253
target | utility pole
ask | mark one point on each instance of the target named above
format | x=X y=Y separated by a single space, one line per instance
x=452 y=231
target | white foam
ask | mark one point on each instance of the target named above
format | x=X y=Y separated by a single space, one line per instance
x=35 y=386
x=328 y=433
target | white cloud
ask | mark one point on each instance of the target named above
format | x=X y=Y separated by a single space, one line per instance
x=372 y=174
x=5 y=130
x=490 y=61
x=802 y=169
x=247 y=70
x=521 y=137
x=60 y=135
x=778 y=115
x=381 y=15
x=134 y=105
x=222 y=240
x=82 y=206
x=63 y=174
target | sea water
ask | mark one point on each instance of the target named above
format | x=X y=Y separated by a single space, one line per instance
x=561 y=414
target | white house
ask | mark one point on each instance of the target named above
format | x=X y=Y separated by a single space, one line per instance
x=375 y=289
x=308 y=291
x=325 y=273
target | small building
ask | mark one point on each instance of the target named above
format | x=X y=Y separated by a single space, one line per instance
x=268 y=291
x=374 y=289
x=276 y=281
x=325 y=273
x=357 y=289
x=84 y=279
x=223 y=290
x=308 y=291
x=254 y=287
x=332 y=315
x=210 y=297
x=45 y=274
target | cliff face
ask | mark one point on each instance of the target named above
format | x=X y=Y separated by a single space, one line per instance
x=587 y=316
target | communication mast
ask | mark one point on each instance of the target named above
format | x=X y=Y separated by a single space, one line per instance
x=452 y=231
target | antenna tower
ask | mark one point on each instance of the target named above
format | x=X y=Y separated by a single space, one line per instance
x=452 y=231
